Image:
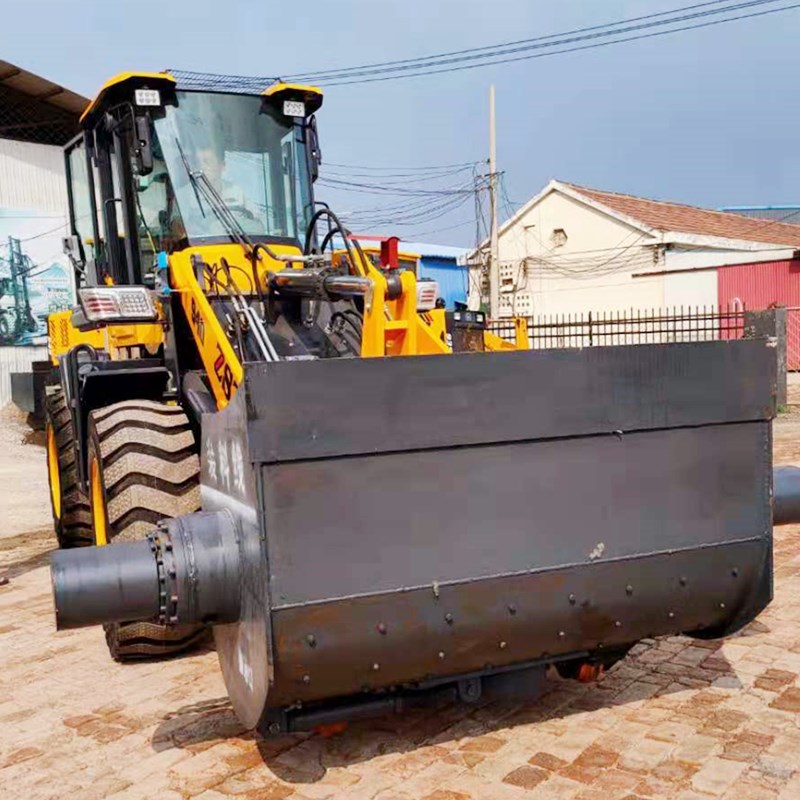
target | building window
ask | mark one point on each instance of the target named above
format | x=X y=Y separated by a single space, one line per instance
x=558 y=237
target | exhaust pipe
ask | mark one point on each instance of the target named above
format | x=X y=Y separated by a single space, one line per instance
x=186 y=571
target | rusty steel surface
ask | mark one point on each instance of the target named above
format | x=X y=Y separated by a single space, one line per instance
x=369 y=642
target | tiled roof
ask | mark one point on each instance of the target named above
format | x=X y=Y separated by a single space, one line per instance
x=681 y=218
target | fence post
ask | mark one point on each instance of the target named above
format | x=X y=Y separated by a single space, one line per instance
x=771 y=322
x=591 y=337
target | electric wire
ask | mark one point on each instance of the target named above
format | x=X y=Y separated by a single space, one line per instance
x=422 y=60
x=553 y=52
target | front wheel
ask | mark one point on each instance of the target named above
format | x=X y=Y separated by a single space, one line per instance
x=70 y=506
x=143 y=467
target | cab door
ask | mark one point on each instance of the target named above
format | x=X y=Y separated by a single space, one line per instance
x=85 y=246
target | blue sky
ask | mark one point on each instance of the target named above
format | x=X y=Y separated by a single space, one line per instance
x=706 y=117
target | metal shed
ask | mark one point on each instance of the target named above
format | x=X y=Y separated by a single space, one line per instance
x=443 y=264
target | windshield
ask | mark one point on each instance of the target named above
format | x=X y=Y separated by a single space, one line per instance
x=252 y=155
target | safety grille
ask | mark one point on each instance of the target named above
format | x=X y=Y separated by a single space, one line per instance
x=29 y=119
x=211 y=82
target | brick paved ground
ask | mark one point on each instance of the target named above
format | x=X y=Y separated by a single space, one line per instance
x=676 y=719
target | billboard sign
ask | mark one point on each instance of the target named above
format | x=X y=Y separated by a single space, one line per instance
x=36 y=278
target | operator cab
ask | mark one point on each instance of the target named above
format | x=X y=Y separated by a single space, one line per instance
x=154 y=161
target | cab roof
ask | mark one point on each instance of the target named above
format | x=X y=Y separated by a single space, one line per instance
x=124 y=82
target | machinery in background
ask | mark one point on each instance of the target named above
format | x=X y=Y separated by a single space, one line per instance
x=16 y=318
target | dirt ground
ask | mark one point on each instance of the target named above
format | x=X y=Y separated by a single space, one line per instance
x=677 y=718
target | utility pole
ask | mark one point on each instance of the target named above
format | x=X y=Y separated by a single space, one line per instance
x=494 y=255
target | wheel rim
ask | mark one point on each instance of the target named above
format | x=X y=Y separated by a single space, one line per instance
x=53 y=471
x=98 y=505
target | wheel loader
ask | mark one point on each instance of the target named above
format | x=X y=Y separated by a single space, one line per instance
x=258 y=432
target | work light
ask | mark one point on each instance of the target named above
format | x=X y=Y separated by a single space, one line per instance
x=117 y=303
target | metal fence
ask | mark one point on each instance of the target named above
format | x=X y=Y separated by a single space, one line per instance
x=634 y=326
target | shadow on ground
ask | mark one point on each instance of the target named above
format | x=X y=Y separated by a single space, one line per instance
x=202 y=724
x=26 y=551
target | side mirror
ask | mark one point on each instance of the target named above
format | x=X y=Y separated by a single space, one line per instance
x=143 y=146
x=312 y=143
x=71 y=246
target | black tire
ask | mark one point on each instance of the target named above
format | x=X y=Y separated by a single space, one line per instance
x=144 y=457
x=72 y=518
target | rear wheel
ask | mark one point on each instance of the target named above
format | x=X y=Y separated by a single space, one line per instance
x=70 y=506
x=143 y=467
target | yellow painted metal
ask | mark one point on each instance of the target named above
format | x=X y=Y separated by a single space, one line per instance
x=53 y=471
x=116 y=339
x=373 y=332
x=222 y=365
x=402 y=333
x=310 y=95
x=387 y=321
x=120 y=78
x=521 y=333
x=99 y=518
x=223 y=368
x=492 y=342
x=432 y=333
x=280 y=86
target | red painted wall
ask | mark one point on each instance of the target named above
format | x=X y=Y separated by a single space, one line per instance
x=761 y=285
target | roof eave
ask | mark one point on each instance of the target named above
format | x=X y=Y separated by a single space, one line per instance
x=696 y=240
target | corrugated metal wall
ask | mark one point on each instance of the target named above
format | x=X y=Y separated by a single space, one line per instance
x=32 y=177
x=759 y=286
x=452 y=278
x=16 y=359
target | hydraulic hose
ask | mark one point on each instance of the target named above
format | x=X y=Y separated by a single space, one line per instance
x=337 y=228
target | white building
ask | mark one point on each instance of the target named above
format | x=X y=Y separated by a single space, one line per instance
x=572 y=249
x=37 y=118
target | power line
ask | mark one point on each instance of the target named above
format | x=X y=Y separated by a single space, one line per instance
x=420 y=199
x=377 y=188
x=434 y=167
x=44 y=233
x=447 y=228
x=539 y=42
x=421 y=60
x=488 y=55
x=395 y=179
x=563 y=51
